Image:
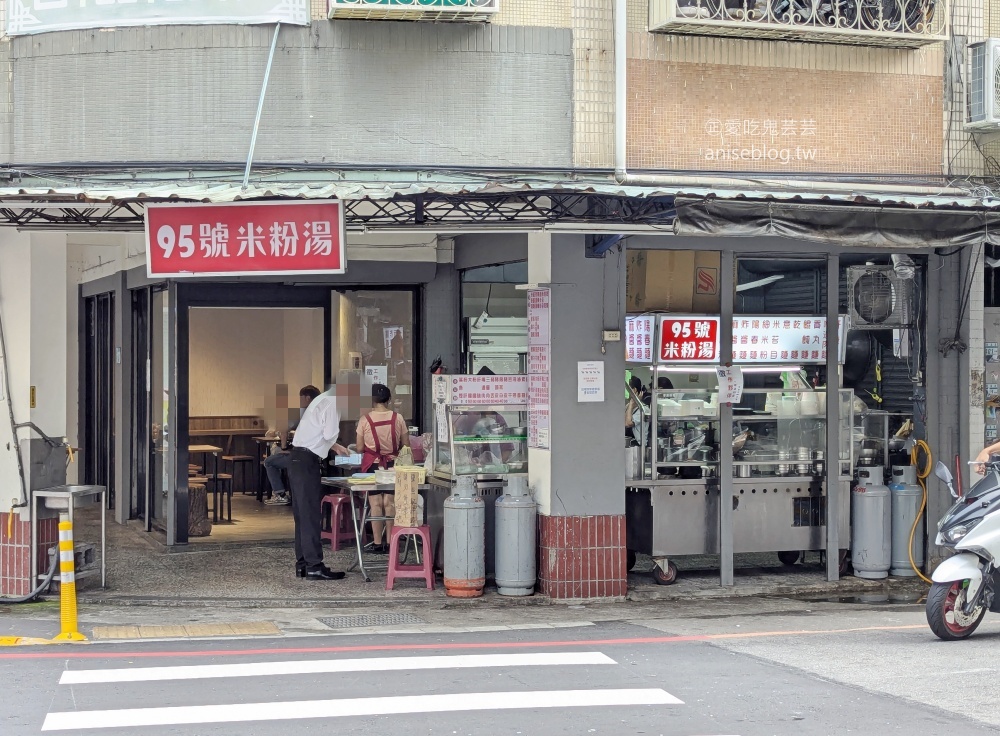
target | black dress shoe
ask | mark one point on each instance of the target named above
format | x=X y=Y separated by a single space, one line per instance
x=324 y=573
x=300 y=571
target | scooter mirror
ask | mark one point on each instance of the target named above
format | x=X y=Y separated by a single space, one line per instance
x=942 y=472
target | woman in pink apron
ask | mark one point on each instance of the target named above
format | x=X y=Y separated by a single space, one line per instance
x=381 y=435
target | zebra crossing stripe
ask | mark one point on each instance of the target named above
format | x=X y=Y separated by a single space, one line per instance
x=374 y=664
x=299 y=710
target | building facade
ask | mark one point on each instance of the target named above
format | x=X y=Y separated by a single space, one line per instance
x=486 y=140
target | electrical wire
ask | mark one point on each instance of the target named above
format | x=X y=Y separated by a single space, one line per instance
x=922 y=475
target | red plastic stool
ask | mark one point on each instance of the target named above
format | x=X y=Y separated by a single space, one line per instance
x=421 y=570
x=337 y=524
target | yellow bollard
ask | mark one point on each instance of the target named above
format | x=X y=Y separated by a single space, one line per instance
x=67 y=584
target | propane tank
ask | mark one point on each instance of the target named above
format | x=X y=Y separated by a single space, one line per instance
x=906 y=499
x=515 y=539
x=871 y=521
x=464 y=541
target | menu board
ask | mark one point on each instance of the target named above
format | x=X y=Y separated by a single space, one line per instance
x=779 y=339
x=539 y=368
x=487 y=390
x=689 y=340
x=639 y=339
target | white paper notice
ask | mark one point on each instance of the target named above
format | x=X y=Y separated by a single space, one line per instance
x=730 y=384
x=590 y=381
x=377 y=374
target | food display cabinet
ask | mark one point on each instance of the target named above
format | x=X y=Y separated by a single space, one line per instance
x=780 y=473
x=484 y=435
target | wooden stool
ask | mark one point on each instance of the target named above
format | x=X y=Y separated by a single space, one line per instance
x=338 y=526
x=224 y=487
x=198 y=522
x=397 y=569
x=244 y=463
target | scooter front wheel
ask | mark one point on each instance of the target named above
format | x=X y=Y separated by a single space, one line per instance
x=944 y=611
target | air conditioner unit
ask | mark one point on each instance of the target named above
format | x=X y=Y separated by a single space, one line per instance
x=983 y=103
x=878 y=299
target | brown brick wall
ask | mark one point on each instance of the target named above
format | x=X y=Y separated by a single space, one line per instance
x=681 y=115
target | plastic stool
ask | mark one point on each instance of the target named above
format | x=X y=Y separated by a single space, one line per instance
x=337 y=524
x=397 y=569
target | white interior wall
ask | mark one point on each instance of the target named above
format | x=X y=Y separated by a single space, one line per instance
x=15 y=310
x=303 y=349
x=238 y=356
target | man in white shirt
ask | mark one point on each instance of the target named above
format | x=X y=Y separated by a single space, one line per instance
x=315 y=436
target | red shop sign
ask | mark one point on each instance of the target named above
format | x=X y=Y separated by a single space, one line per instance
x=689 y=340
x=301 y=237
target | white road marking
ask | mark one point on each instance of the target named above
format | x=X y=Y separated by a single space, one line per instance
x=241 y=712
x=324 y=666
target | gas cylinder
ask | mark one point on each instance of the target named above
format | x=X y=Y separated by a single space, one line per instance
x=906 y=499
x=515 y=539
x=464 y=541
x=871 y=522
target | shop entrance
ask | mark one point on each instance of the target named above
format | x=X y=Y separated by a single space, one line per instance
x=218 y=374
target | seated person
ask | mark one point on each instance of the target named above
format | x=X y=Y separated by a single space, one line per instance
x=282 y=459
x=381 y=435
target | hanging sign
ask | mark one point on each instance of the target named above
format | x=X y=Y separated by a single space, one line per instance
x=782 y=338
x=688 y=340
x=639 y=339
x=245 y=238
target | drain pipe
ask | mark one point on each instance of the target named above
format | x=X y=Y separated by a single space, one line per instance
x=260 y=106
x=621 y=80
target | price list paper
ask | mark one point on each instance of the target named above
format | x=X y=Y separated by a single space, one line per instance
x=639 y=339
x=539 y=367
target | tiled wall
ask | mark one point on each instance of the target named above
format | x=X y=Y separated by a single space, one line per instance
x=582 y=557
x=593 y=84
x=432 y=94
x=15 y=546
x=755 y=118
x=554 y=13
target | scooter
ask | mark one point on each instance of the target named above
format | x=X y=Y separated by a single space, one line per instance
x=965 y=585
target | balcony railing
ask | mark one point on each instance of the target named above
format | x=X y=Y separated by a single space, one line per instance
x=428 y=10
x=897 y=23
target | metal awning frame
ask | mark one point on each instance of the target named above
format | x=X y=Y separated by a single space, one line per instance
x=433 y=211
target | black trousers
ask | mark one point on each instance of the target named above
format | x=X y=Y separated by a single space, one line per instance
x=305 y=476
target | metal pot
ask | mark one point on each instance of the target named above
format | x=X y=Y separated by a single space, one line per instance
x=742 y=471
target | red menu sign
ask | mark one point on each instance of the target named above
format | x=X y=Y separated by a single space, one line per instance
x=689 y=340
x=639 y=339
x=300 y=237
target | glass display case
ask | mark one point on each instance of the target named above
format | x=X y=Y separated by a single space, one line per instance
x=481 y=441
x=776 y=433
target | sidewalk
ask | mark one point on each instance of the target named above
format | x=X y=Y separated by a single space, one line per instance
x=142 y=571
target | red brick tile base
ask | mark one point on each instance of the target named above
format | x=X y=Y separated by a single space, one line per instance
x=582 y=557
x=15 y=559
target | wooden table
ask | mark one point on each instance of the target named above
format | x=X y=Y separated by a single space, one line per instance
x=357 y=490
x=215 y=452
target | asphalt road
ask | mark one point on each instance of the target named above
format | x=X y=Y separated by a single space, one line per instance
x=748 y=668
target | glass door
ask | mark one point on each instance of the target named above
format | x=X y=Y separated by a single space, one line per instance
x=150 y=427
